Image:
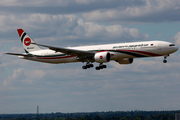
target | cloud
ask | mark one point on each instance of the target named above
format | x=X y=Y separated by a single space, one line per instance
x=139 y=11
x=70 y=85
x=21 y=3
x=62 y=7
x=21 y=73
x=177 y=39
x=57 y=29
x=58 y=73
x=159 y=34
x=113 y=32
x=162 y=10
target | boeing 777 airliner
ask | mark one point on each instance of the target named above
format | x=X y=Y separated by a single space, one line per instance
x=123 y=53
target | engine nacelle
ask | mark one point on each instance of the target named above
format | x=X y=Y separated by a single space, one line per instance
x=125 y=61
x=102 y=57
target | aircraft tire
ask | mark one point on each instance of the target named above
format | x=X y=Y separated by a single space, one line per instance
x=91 y=65
x=88 y=66
x=97 y=68
x=164 y=61
x=84 y=67
x=101 y=67
x=104 y=66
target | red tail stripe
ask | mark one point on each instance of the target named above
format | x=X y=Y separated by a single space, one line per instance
x=20 y=32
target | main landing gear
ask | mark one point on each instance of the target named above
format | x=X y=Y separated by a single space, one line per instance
x=101 y=66
x=87 y=66
x=165 y=57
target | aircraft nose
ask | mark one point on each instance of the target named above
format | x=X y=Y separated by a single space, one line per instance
x=173 y=47
x=176 y=48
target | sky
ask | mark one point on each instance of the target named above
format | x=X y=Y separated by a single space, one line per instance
x=147 y=84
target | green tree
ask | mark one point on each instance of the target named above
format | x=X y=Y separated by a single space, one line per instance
x=170 y=117
x=69 y=118
x=124 y=118
x=86 y=117
x=80 y=118
x=97 y=117
x=58 y=119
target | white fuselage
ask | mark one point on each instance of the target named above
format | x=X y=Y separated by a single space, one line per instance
x=118 y=51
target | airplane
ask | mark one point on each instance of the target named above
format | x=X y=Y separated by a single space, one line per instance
x=123 y=53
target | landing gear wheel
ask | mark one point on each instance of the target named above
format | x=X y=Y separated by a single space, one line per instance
x=164 y=61
x=101 y=66
x=87 y=66
x=84 y=67
x=91 y=65
x=97 y=68
x=104 y=66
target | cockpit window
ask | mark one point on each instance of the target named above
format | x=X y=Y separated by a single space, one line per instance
x=172 y=45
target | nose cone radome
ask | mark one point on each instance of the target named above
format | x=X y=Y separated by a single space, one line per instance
x=176 y=48
x=173 y=47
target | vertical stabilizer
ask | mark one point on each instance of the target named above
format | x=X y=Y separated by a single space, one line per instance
x=26 y=41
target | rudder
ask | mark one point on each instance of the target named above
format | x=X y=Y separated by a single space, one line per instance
x=26 y=41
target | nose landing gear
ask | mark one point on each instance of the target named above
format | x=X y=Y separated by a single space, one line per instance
x=165 y=57
x=164 y=61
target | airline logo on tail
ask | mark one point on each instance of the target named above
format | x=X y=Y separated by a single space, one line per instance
x=27 y=41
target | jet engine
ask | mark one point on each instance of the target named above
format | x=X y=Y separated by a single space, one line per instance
x=125 y=61
x=102 y=57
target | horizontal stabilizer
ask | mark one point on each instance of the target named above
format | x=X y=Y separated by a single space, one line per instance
x=17 y=54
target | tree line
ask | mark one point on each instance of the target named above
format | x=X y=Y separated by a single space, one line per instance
x=119 y=115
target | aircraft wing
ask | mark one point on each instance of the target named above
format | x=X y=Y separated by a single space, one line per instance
x=17 y=54
x=68 y=51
